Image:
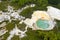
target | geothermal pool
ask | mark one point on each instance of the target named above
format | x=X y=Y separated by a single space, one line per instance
x=42 y=23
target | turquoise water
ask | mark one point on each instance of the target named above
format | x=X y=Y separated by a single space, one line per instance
x=42 y=24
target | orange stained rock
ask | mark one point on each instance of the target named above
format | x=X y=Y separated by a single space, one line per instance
x=41 y=14
x=44 y=16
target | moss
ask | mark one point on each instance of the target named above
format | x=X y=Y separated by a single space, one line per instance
x=10 y=26
x=3 y=5
x=27 y=12
x=21 y=26
x=15 y=38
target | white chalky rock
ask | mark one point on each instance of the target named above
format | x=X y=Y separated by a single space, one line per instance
x=53 y=12
x=2 y=32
